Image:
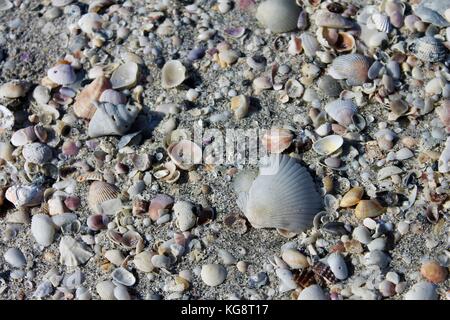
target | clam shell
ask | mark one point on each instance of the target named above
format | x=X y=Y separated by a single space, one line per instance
x=184 y=214
x=73 y=253
x=113 y=96
x=90 y=22
x=295 y=259
x=310 y=44
x=159 y=202
x=433 y=11
x=42 y=229
x=15 y=258
x=121 y=293
x=24 y=196
x=381 y=22
x=277 y=140
x=328 y=145
x=12 y=90
x=337 y=265
x=114 y=256
x=352 y=197
x=313 y=292
x=278 y=15
x=388 y=171
x=100 y=192
x=353 y=67
x=172 y=74
x=110 y=119
x=282 y=196
x=83 y=106
x=23 y=136
x=96 y=222
x=344 y=43
x=240 y=105
x=332 y=20
x=429 y=49
x=37 y=153
x=125 y=76
x=213 y=274
x=422 y=291
x=185 y=154
x=105 y=289
x=6 y=118
x=123 y=276
x=143 y=261
x=341 y=111
x=62 y=74
x=369 y=209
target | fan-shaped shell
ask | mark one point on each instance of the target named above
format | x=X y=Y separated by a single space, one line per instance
x=278 y=15
x=72 y=253
x=83 y=106
x=112 y=120
x=310 y=44
x=100 y=192
x=353 y=67
x=332 y=20
x=185 y=154
x=6 y=118
x=341 y=111
x=381 y=22
x=172 y=74
x=62 y=74
x=282 y=196
x=433 y=11
x=429 y=49
x=277 y=140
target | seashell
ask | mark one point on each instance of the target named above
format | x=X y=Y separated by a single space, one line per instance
x=282 y=196
x=313 y=292
x=125 y=76
x=173 y=74
x=295 y=259
x=112 y=96
x=42 y=229
x=72 y=253
x=121 y=293
x=328 y=145
x=184 y=214
x=398 y=108
x=257 y=62
x=341 y=111
x=387 y=172
x=123 y=276
x=62 y=74
x=37 y=153
x=295 y=45
x=362 y=234
x=329 y=86
x=83 y=106
x=428 y=49
x=6 y=119
x=226 y=58
x=278 y=15
x=277 y=140
x=115 y=257
x=90 y=22
x=293 y=88
x=369 y=209
x=15 y=258
x=309 y=43
x=105 y=289
x=12 y=90
x=332 y=20
x=196 y=54
x=143 y=262
x=262 y=83
x=353 y=67
x=444 y=159
x=96 y=222
x=433 y=272
x=110 y=119
x=6 y=151
x=352 y=197
x=381 y=22
x=158 y=203
x=337 y=265
x=213 y=274
x=385 y=139
x=23 y=136
x=422 y=291
x=82 y=293
x=403 y=154
x=5 y=5
x=25 y=195
x=99 y=192
x=185 y=154
x=433 y=12
x=345 y=42
x=240 y=105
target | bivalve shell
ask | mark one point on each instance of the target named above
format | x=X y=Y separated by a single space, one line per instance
x=277 y=140
x=37 y=153
x=15 y=258
x=125 y=76
x=25 y=195
x=353 y=67
x=429 y=49
x=422 y=291
x=185 y=154
x=184 y=213
x=369 y=209
x=295 y=259
x=100 y=192
x=112 y=120
x=42 y=229
x=433 y=272
x=328 y=145
x=341 y=111
x=313 y=292
x=123 y=277
x=157 y=204
x=278 y=15
x=173 y=74
x=332 y=20
x=83 y=106
x=337 y=265
x=213 y=274
x=62 y=74
x=73 y=253
x=12 y=90
x=352 y=197
x=105 y=289
x=381 y=22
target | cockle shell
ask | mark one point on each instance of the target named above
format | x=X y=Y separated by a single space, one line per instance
x=42 y=229
x=328 y=145
x=158 y=203
x=433 y=11
x=12 y=90
x=332 y=20
x=381 y=22
x=277 y=140
x=369 y=209
x=185 y=154
x=24 y=196
x=428 y=49
x=353 y=67
x=310 y=44
x=282 y=196
x=100 y=192
x=125 y=76
x=6 y=118
x=352 y=197
x=37 y=153
x=73 y=253
x=172 y=74
x=341 y=111
x=62 y=74
x=278 y=15
x=110 y=119
x=83 y=106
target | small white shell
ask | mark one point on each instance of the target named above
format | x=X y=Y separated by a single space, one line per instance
x=37 y=153
x=185 y=154
x=15 y=258
x=278 y=15
x=125 y=76
x=422 y=291
x=114 y=256
x=341 y=111
x=90 y=22
x=361 y=234
x=184 y=213
x=24 y=196
x=328 y=145
x=213 y=274
x=143 y=261
x=313 y=292
x=62 y=74
x=337 y=265
x=110 y=119
x=42 y=229
x=12 y=90
x=172 y=74
x=123 y=276
x=73 y=253
x=6 y=118
x=388 y=171
x=105 y=290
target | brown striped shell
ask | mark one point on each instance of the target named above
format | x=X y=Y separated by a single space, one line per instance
x=100 y=192
x=353 y=67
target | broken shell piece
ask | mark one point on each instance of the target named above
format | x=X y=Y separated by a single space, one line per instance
x=6 y=118
x=62 y=74
x=158 y=205
x=172 y=74
x=73 y=253
x=277 y=140
x=240 y=105
x=332 y=20
x=184 y=214
x=83 y=106
x=99 y=192
x=24 y=196
x=294 y=89
x=185 y=154
x=328 y=145
x=113 y=96
x=125 y=76
x=388 y=171
x=111 y=119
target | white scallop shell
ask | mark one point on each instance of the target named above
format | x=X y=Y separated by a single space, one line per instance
x=381 y=22
x=36 y=152
x=125 y=76
x=112 y=120
x=278 y=15
x=123 y=277
x=341 y=111
x=24 y=196
x=42 y=229
x=62 y=74
x=73 y=253
x=6 y=118
x=172 y=74
x=282 y=196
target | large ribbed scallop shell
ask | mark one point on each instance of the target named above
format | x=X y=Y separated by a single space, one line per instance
x=341 y=111
x=100 y=192
x=282 y=196
x=278 y=15
x=429 y=49
x=112 y=120
x=353 y=67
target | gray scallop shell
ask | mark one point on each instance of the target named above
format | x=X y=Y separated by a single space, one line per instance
x=353 y=67
x=112 y=120
x=282 y=196
x=382 y=22
x=428 y=49
x=309 y=43
x=432 y=11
